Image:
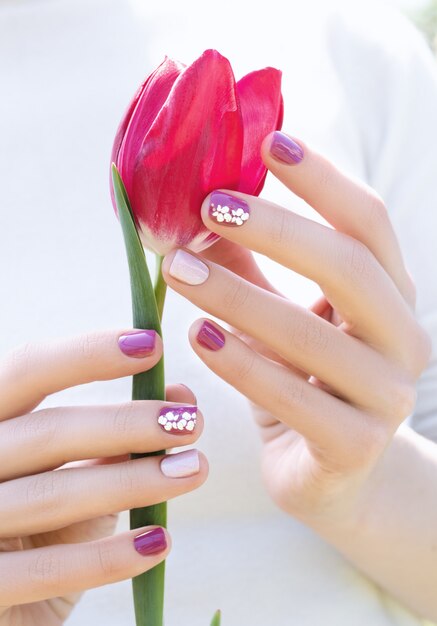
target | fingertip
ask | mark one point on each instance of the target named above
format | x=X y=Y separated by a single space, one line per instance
x=180 y=393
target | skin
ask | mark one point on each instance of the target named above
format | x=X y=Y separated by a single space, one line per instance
x=331 y=385
x=65 y=473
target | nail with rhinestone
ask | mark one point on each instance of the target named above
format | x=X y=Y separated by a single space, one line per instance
x=178 y=420
x=228 y=210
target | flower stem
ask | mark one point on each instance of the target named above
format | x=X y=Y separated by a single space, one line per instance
x=160 y=286
x=148 y=588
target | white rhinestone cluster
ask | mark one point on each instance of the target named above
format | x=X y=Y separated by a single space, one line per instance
x=230 y=216
x=175 y=421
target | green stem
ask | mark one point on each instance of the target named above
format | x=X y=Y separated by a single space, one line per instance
x=160 y=286
x=148 y=588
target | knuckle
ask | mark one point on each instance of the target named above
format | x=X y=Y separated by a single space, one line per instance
x=375 y=216
x=129 y=480
x=46 y=570
x=324 y=176
x=423 y=349
x=20 y=361
x=123 y=422
x=282 y=231
x=291 y=393
x=107 y=566
x=356 y=264
x=44 y=492
x=370 y=443
x=38 y=428
x=89 y=345
x=236 y=294
x=306 y=334
x=403 y=400
x=244 y=368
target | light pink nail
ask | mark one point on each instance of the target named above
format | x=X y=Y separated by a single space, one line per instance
x=181 y=465
x=188 y=268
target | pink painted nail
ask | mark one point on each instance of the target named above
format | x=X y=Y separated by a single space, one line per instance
x=210 y=337
x=285 y=150
x=228 y=210
x=188 y=268
x=151 y=542
x=181 y=465
x=178 y=420
x=138 y=343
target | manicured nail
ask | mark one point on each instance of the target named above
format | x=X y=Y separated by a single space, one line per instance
x=188 y=268
x=228 y=210
x=179 y=420
x=138 y=344
x=151 y=542
x=181 y=465
x=210 y=337
x=285 y=150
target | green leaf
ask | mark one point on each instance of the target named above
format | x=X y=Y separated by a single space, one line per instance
x=148 y=588
x=217 y=619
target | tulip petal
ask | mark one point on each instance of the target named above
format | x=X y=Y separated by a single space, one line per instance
x=146 y=105
x=194 y=146
x=262 y=109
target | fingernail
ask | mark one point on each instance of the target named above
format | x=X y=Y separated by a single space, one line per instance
x=210 y=337
x=179 y=420
x=138 y=343
x=228 y=210
x=181 y=465
x=285 y=150
x=188 y=268
x=151 y=542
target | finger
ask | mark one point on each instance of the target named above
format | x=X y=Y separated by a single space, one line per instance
x=347 y=203
x=48 y=438
x=58 y=570
x=335 y=431
x=55 y=499
x=300 y=337
x=33 y=371
x=351 y=278
x=180 y=393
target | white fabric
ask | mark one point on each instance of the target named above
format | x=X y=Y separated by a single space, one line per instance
x=361 y=87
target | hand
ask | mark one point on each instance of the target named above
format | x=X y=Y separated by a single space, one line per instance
x=330 y=384
x=65 y=472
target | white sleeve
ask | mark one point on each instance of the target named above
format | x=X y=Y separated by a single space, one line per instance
x=390 y=79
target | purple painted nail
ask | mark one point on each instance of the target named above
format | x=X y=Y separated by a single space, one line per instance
x=151 y=542
x=228 y=210
x=138 y=343
x=210 y=337
x=285 y=150
x=178 y=420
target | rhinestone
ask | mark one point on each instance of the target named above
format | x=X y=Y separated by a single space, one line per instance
x=239 y=212
x=168 y=426
x=220 y=218
x=186 y=415
x=190 y=426
x=170 y=416
x=162 y=420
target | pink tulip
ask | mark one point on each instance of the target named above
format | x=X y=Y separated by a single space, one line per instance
x=188 y=131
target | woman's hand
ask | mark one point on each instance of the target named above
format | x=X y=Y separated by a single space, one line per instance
x=65 y=472
x=331 y=384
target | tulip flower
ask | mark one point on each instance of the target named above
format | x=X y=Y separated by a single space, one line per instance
x=187 y=131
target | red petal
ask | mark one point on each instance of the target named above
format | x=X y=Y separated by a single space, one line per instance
x=262 y=109
x=194 y=146
x=149 y=101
